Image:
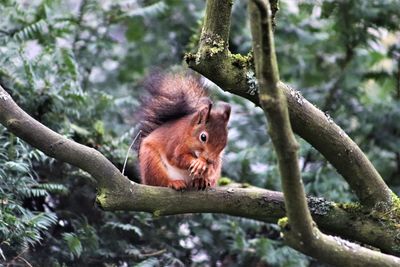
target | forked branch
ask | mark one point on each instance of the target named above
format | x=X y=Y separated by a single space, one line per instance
x=300 y=230
x=116 y=192
x=235 y=74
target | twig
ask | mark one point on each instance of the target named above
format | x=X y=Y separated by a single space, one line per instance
x=20 y=258
x=155 y=253
x=129 y=149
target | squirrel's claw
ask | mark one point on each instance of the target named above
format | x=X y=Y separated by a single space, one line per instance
x=203 y=169
x=197 y=167
x=201 y=183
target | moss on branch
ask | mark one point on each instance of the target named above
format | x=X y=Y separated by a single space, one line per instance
x=116 y=192
x=235 y=74
x=299 y=230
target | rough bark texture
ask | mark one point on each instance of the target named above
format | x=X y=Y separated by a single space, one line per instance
x=57 y=146
x=298 y=228
x=116 y=192
x=274 y=104
x=235 y=73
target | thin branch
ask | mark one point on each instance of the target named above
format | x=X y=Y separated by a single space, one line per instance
x=338 y=148
x=153 y=254
x=274 y=105
x=19 y=257
x=300 y=232
x=397 y=94
x=4 y=32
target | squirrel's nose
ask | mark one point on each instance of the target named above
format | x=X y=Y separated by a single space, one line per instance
x=210 y=161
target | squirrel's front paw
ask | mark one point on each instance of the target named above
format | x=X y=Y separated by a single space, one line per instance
x=177 y=184
x=197 y=167
x=200 y=183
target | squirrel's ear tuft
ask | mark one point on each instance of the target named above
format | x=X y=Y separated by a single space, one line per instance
x=226 y=111
x=202 y=116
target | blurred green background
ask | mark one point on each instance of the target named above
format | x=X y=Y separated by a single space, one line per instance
x=76 y=66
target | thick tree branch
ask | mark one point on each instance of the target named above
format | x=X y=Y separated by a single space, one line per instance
x=116 y=192
x=300 y=232
x=347 y=220
x=57 y=146
x=221 y=12
x=235 y=74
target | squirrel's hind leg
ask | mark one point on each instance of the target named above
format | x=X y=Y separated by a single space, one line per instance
x=153 y=170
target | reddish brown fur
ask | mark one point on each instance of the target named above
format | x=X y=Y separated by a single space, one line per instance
x=174 y=116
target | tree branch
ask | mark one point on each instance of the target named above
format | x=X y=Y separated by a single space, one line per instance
x=220 y=11
x=57 y=146
x=116 y=192
x=235 y=74
x=273 y=103
x=300 y=231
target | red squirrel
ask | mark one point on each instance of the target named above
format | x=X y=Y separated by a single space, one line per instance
x=182 y=134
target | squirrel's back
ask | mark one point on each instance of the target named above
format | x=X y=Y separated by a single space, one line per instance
x=169 y=97
x=183 y=134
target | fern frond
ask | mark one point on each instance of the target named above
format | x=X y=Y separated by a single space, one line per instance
x=147 y=11
x=37 y=155
x=70 y=62
x=20 y=167
x=74 y=244
x=124 y=227
x=43 y=221
x=29 y=72
x=34 y=192
x=31 y=31
x=53 y=188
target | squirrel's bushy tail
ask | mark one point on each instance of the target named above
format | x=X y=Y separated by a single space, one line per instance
x=169 y=97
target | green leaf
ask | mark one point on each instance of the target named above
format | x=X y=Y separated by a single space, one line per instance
x=125 y=227
x=74 y=244
x=17 y=166
x=99 y=127
x=79 y=130
x=148 y=11
x=30 y=31
x=43 y=221
x=135 y=30
x=70 y=62
x=53 y=188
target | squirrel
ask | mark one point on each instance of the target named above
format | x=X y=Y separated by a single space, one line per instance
x=182 y=134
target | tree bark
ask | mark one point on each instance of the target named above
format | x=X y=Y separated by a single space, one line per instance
x=235 y=74
x=116 y=192
x=298 y=228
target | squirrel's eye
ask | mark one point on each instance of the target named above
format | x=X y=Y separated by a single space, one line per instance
x=203 y=137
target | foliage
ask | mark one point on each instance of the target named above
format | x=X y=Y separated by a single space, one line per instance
x=22 y=227
x=76 y=66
